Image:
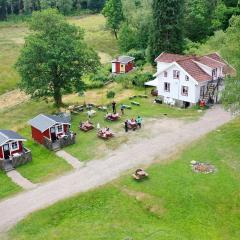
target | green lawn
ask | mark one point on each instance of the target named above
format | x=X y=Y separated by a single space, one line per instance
x=7 y=187
x=174 y=203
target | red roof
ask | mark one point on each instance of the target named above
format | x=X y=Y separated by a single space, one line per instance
x=189 y=64
x=194 y=70
x=169 y=57
x=210 y=62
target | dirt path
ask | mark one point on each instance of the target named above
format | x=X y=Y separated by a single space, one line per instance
x=172 y=134
x=20 y=180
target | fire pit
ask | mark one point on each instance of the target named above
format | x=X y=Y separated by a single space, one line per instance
x=199 y=167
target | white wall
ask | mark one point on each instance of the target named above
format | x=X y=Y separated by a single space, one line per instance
x=176 y=86
x=113 y=67
x=162 y=65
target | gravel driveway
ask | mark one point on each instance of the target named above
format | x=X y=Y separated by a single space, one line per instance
x=171 y=135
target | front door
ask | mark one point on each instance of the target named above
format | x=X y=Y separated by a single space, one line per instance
x=53 y=134
x=202 y=91
x=6 y=151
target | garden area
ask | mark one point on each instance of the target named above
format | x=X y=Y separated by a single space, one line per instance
x=174 y=203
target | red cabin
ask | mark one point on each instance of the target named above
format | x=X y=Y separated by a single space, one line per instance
x=122 y=64
x=51 y=130
x=12 y=151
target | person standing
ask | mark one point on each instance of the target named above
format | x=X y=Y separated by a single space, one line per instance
x=126 y=126
x=114 y=107
x=139 y=121
x=122 y=109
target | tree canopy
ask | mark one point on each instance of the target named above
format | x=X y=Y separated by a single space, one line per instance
x=114 y=14
x=167 y=27
x=54 y=57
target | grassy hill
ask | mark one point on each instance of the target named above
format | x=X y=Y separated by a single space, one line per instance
x=12 y=40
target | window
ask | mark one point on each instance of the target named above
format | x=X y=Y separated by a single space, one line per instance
x=202 y=91
x=165 y=74
x=176 y=74
x=5 y=147
x=214 y=72
x=184 y=91
x=60 y=128
x=187 y=78
x=167 y=87
x=14 y=145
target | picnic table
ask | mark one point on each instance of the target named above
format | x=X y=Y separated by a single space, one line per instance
x=135 y=103
x=91 y=113
x=105 y=134
x=140 y=174
x=86 y=126
x=112 y=116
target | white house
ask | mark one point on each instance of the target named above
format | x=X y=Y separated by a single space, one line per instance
x=185 y=80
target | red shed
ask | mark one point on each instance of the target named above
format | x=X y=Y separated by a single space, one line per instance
x=11 y=143
x=49 y=126
x=122 y=64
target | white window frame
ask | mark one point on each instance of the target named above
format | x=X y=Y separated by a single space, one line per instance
x=167 y=87
x=59 y=131
x=17 y=146
x=176 y=74
x=185 y=94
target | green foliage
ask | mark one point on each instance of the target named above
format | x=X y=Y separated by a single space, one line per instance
x=111 y=94
x=167 y=28
x=54 y=58
x=127 y=38
x=140 y=78
x=113 y=12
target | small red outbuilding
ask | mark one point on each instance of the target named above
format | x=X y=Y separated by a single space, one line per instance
x=122 y=64
x=49 y=126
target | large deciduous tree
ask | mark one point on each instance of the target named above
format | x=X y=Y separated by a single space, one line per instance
x=54 y=57
x=167 y=27
x=114 y=14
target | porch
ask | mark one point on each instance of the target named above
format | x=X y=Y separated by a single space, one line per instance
x=16 y=160
x=62 y=141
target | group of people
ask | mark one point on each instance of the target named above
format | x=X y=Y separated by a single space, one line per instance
x=133 y=124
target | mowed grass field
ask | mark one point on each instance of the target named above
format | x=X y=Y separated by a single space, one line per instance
x=173 y=204
x=12 y=40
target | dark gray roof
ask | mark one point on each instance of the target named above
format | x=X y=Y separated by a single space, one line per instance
x=8 y=135
x=43 y=122
x=123 y=59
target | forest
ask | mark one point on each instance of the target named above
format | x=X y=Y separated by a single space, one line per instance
x=26 y=7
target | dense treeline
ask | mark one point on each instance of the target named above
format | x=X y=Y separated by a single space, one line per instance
x=16 y=7
x=170 y=25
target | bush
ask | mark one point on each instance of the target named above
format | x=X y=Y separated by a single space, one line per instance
x=140 y=78
x=137 y=54
x=111 y=94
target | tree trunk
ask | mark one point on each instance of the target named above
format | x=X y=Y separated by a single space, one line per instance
x=115 y=33
x=57 y=97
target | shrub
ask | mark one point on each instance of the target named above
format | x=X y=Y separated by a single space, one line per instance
x=111 y=94
x=137 y=54
x=140 y=78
